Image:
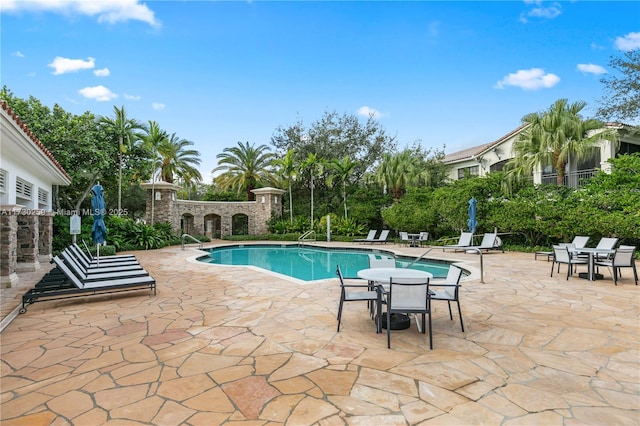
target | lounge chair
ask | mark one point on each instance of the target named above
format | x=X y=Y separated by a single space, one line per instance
x=96 y=275
x=72 y=286
x=113 y=258
x=465 y=240
x=490 y=241
x=382 y=238
x=370 y=237
x=75 y=263
x=87 y=264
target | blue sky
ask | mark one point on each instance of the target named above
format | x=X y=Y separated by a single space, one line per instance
x=452 y=74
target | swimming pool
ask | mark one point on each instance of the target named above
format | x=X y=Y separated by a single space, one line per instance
x=310 y=263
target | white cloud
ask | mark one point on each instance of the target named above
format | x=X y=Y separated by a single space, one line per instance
x=158 y=106
x=540 y=12
x=629 y=42
x=104 y=72
x=109 y=11
x=592 y=69
x=532 y=79
x=99 y=93
x=62 y=65
x=365 y=111
x=131 y=97
x=18 y=53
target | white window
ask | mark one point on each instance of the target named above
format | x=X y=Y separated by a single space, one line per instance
x=3 y=181
x=468 y=171
x=24 y=189
x=43 y=197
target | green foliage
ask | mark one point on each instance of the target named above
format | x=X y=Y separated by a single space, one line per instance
x=347 y=226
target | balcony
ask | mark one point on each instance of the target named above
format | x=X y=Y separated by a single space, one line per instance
x=571 y=180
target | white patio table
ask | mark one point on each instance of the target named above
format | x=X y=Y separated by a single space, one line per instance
x=592 y=252
x=382 y=276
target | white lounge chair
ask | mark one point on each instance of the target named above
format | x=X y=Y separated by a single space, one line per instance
x=382 y=238
x=465 y=240
x=370 y=237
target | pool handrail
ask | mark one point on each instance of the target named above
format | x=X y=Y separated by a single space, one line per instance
x=192 y=238
x=466 y=248
x=305 y=236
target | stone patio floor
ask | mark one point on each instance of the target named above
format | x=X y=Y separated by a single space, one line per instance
x=236 y=346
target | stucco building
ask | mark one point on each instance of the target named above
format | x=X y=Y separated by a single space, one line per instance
x=28 y=174
x=492 y=156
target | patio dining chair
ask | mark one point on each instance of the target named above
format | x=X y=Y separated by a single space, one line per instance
x=404 y=238
x=561 y=254
x=624 y=257
x=449 y=290
x=408 y=297
x=423 y=238
x=356 y=293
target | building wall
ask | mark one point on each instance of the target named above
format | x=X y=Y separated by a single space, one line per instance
x=162 y=200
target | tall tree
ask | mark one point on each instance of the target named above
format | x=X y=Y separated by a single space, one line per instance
x=622 y=93
x=287 y=170
x=396 y=172
x=335 y=136
x=314 y=166
x=123 y=130
x=178 y=160
x=154 y=138
x=245 y=167
x=554 y=136
x=342 y=171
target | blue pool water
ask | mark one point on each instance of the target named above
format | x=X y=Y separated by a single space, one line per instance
x=310 y=263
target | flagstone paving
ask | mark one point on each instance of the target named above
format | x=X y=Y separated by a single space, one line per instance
x=225 y=345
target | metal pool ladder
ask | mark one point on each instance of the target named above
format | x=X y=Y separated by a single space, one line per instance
x=307 y=236
x=184 y=236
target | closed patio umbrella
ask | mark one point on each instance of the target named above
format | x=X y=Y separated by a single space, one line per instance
x=99 y=230
x=472 y=223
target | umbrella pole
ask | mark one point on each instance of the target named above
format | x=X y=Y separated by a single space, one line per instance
x=98 y=254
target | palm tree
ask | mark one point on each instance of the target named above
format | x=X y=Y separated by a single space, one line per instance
x=396 y=172
x=177 y=160
x=153 y=140
x=342 y=170
x=245 y=167
x=315 y=167
x=554 y=136
x=123 y=130
x=287 y=170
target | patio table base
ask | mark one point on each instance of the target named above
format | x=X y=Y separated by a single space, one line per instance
x=398 y=321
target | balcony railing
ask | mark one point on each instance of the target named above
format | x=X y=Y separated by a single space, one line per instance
x=571 y=180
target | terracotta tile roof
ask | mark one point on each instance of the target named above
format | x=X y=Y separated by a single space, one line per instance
x=480 y=149
x=32 y=137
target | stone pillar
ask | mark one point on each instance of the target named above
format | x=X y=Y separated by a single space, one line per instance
x=268 y=204
x=163 y=195
x=226 y=226
x=8 y=248
x=27 y=238
x=45 y=243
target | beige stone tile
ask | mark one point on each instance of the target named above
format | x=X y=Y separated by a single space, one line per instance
x=297 y=365
x=172 y=413
x=250 y=394
x=71 y=404
x=355 y=406
x=333 y=382
x=279 y=408
x=119 y=397
x=387 y=381
x=311 y=410
x=211 y=400
x=185 y=387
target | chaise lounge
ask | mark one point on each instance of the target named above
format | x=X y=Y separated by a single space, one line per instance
x=67 y=285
